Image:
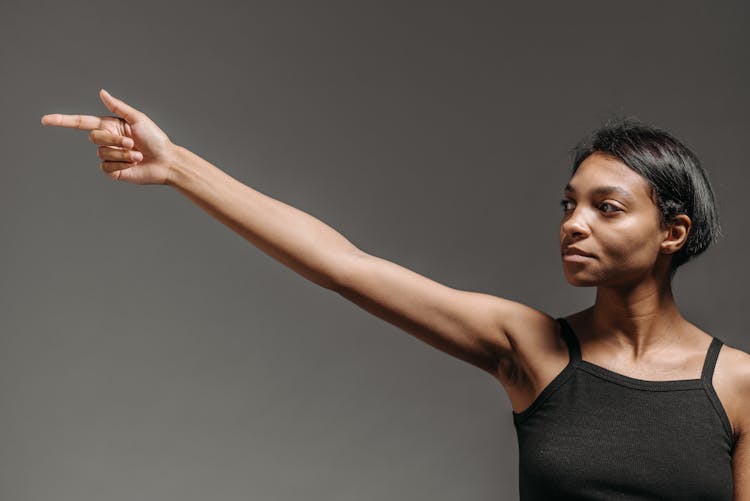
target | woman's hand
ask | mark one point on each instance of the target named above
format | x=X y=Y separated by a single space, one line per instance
x=132 y=148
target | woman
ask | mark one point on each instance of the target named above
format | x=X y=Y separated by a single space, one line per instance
x=623 y=400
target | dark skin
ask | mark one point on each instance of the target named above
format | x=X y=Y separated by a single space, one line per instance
x=634 y=327
x=630 y=265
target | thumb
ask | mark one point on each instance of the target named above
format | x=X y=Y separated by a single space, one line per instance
x=119 y=107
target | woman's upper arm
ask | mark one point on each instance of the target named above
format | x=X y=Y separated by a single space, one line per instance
x=471 y=326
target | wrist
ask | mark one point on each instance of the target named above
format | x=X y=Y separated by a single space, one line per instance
x=176 y=174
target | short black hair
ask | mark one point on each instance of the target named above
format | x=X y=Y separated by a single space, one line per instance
x=679 y=184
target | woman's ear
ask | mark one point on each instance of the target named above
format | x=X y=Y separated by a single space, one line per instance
x=677 y=234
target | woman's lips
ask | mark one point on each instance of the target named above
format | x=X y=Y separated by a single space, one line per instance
x=570 y=249
x=576 y=258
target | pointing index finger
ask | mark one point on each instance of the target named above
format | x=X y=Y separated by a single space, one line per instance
x=83 y=122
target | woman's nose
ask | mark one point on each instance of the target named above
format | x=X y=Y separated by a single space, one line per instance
x=575 y=224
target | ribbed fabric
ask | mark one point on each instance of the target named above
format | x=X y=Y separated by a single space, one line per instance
x=594 y=434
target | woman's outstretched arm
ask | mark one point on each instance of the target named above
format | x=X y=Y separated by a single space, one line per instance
x=465 y=324
x=471 y=326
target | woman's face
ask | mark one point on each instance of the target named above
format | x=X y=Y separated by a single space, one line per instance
x=607 y=212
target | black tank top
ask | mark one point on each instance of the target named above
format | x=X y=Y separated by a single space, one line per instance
x=594 y=434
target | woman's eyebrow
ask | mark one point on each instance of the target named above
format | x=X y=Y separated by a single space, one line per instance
x=604 y=190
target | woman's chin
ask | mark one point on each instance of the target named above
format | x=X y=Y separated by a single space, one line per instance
x=579 y=280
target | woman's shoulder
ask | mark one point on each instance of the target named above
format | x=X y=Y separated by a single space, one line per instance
x=735 y=365
x=732 y=384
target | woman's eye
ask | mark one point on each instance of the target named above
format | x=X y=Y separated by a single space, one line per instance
x=564 y=203
x=610 y=205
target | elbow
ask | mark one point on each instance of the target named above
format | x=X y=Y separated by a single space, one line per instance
x=343 y=271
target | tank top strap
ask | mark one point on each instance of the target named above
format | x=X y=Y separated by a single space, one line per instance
x=710 y=363
x=574 y=349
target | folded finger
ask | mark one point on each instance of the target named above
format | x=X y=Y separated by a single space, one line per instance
x=83 y=122
x=111 y=167
x=118 y=155
x=104 y=138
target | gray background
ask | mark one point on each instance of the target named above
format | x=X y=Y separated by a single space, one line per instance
x=148 y=352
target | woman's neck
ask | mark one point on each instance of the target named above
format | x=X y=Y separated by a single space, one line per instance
x=634 y=322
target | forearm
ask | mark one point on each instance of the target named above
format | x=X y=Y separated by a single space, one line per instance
x=291 y=236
